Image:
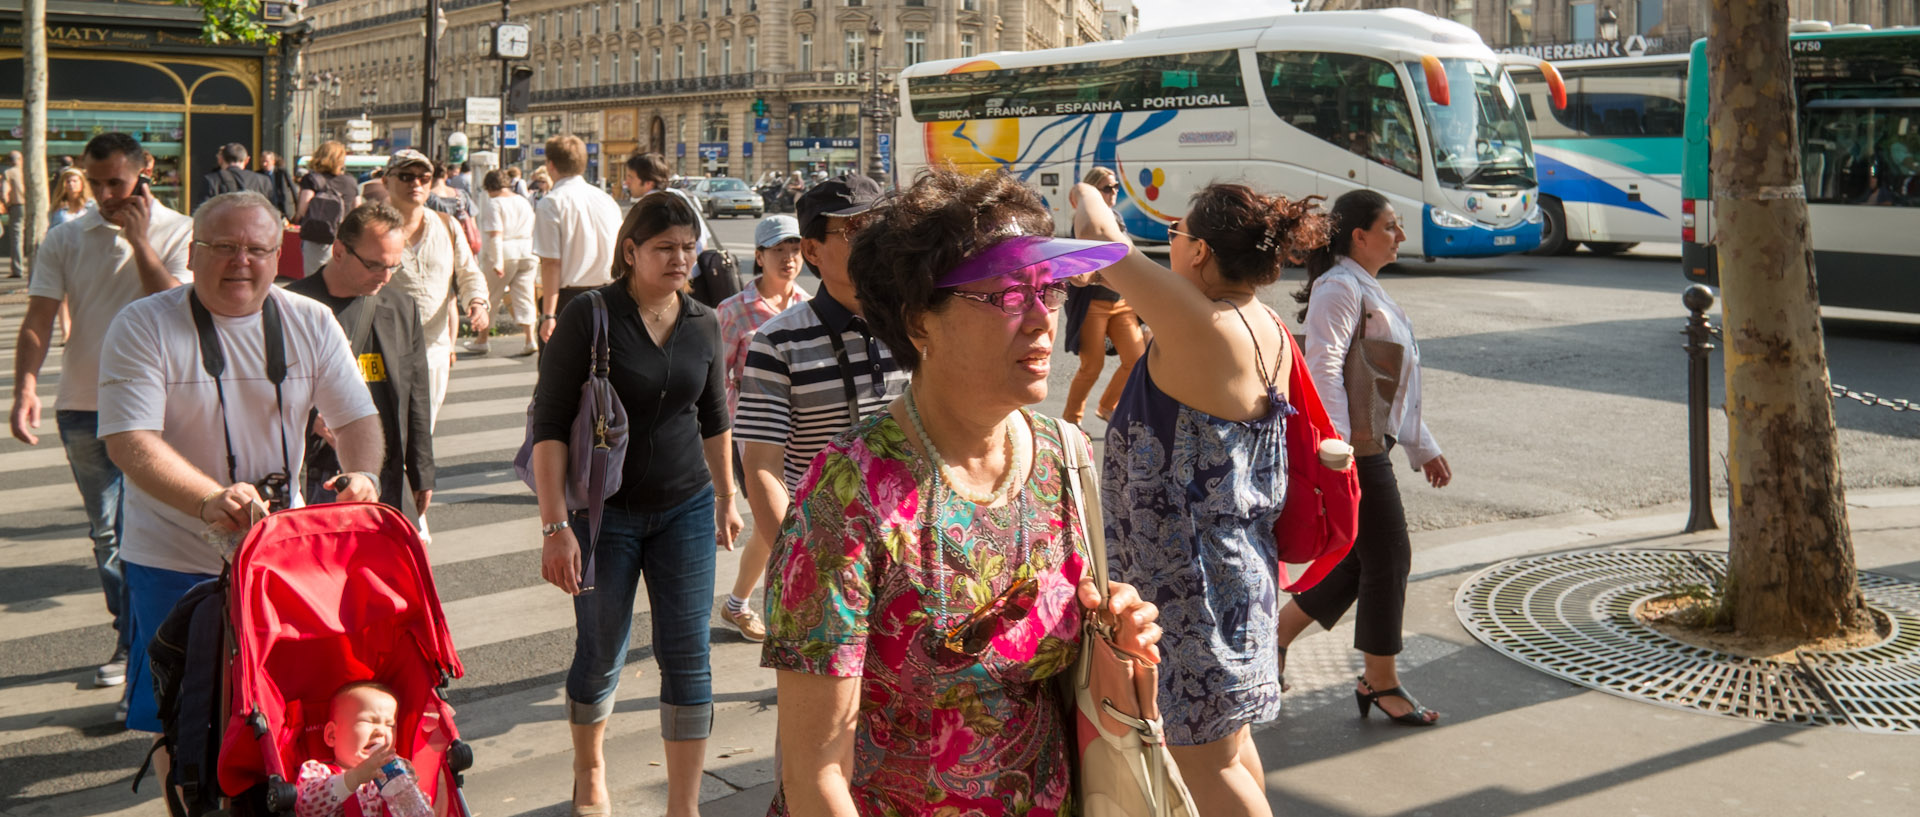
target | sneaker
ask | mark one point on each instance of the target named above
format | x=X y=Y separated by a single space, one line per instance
x=478 y=348
x=747 y=622
x=114 y=672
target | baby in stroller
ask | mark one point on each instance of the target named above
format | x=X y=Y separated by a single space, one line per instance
x=360 y=731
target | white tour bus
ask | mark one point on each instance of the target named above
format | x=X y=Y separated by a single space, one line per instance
x=1609 y=162
x=1410 y=105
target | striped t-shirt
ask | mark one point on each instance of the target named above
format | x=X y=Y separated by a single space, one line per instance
x=792 y=393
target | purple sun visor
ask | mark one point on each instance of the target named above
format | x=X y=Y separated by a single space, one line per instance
x=1068 y=257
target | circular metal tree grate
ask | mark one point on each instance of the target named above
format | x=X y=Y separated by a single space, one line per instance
x=1572 y=615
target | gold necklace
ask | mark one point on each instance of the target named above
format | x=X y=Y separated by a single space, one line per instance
x=661 y=314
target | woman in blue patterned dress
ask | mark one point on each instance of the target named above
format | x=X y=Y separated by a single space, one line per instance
x=1196 y=472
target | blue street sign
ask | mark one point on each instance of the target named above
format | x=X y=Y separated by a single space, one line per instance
x=746 y=148
x=883 y=141
x=762 y=124
x=509 y=134
x=680 y=150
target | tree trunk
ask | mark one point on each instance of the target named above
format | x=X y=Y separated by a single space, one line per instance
x=1791 y=569
x=33 y=143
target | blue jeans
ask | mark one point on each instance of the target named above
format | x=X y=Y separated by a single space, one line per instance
x=153 y=593
x=99 y=482
x=674 y=551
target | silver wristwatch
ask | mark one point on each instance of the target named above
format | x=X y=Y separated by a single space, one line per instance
x=553 y=528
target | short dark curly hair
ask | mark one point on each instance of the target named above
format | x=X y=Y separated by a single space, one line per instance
x=1255 y=236
x=905 y=244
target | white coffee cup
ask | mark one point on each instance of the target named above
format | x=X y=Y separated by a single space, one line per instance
x=1336 y=454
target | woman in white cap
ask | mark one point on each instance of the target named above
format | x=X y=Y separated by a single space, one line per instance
x=776 y=265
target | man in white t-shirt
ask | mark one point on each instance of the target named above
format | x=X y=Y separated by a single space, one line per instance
x=575 y=228
x=194 y=444
x=130 y=247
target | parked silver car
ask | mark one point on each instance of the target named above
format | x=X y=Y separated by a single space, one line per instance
x=726 y=196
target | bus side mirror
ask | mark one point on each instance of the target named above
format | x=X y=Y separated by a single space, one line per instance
x=1437 y=89
x=1556 y=86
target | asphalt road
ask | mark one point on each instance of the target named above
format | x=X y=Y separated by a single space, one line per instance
x=1553 y=385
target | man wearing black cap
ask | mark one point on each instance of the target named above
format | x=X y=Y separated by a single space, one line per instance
x=813 y=369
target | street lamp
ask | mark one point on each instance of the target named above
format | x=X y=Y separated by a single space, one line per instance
x=1609 y=25
x=876 y=167
x=367 y=96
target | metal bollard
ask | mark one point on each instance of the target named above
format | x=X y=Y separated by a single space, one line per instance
x=1698 y=299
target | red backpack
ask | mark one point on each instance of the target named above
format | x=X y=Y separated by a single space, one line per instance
x=1317 y=525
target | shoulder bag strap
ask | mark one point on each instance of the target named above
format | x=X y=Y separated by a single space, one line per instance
x=846 y=366
x=1086 y=503
x=362 y=336
x=602 y=415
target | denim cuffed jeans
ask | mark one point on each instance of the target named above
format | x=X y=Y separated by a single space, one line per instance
x=674 y=551
x=99 y=482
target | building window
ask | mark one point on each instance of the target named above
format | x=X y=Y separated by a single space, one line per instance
x=595 y=78
x=1462 y=12
x=576 y=72
x=659 y=11
x=635 y=76
x=753 y=53
x=596 y=18
x=916 y=47
x=680 y=8
x=1651 y=13
x=576 y=22
x=856 y=50
x=700 y=60
x=679 y=61
x=1519 y=22
x=540 y=24
x=806 y=52
x=613 y=68
x=966 y=45
x=614 y=9
x=726 y=56
x=1580 y=17
x=656 y=63
x=703 y=9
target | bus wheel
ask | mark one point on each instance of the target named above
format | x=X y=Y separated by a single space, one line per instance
x=1610 y=247
x=1553 y=229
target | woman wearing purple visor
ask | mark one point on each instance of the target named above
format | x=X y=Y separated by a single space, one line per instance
x=927 y=586
x=1196 y=471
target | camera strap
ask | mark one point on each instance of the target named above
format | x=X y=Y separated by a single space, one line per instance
x=213 y=358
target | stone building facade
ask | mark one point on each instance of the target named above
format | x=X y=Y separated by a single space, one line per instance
x=679 y=77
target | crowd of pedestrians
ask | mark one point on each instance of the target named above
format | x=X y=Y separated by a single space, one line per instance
x=913 y=528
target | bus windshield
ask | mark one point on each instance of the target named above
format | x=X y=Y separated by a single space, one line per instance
x=1481 y=137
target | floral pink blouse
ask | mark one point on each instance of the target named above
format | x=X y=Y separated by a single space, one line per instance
x=877 y=564
x=740 y=316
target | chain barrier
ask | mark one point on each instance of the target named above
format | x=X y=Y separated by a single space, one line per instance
x=1871 y=399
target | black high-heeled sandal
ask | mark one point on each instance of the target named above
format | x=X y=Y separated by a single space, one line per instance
x=1284 y=686
x=1417 y=716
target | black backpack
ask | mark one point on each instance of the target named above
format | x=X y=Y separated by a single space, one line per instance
x=325 y=211
x=719 y=277
x=188 y=657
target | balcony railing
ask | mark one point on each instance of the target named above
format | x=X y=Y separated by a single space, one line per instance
x=658 y=87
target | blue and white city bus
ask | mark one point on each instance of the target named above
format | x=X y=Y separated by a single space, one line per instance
x=1410 y=105
x=1609 y=162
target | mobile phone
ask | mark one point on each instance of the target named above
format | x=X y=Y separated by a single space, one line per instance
x=140 y=187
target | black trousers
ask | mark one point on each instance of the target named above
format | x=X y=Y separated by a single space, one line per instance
x=1375 y=572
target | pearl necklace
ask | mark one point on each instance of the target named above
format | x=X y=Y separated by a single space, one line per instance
x=1004 y=487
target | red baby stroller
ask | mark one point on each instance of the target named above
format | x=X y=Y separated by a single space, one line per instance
x=323 y=596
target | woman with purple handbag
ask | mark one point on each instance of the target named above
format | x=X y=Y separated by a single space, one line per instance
x=641 y=505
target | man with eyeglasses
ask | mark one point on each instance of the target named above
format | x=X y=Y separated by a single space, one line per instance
x=205 y=391
x=130 y=247
x=812 y=370
x=385 y=336
x=434 y=256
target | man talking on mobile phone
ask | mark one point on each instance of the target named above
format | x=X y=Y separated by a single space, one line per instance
x=130 y=247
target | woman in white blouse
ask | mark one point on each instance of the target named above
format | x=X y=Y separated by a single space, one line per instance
x=1343 y=298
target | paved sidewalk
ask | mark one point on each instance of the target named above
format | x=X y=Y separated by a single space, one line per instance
x=1515 y=741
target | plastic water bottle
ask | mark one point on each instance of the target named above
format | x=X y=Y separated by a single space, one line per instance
x=401 y=789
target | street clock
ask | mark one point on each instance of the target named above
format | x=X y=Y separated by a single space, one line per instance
x=509 y=41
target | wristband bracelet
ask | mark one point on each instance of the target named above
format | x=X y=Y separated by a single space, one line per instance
x=344 y=474
x=723 y=496
x=201 y=514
